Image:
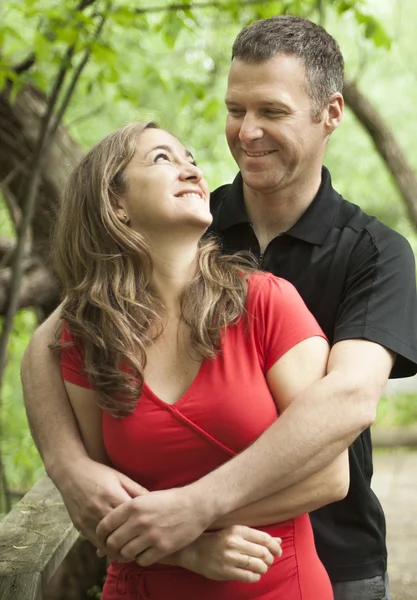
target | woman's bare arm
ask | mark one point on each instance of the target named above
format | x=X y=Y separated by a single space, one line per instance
x=89 y=489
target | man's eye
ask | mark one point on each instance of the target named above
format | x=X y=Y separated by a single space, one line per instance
x=161 y=156
x=273 y=113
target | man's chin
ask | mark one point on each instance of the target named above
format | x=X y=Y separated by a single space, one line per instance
x=258 y=182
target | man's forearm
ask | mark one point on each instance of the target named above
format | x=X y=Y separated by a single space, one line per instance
x=327 y=485
x=316 y=428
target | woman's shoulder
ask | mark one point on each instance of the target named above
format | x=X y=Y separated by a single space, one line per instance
x=262 y=285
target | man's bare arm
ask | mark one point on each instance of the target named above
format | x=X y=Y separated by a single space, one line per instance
x=316 y=428
x=321 y=423
x=89 y=489
x=330 y=484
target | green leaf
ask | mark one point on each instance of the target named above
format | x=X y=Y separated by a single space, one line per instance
x=212 y=109
x=69 y=35
x=373 y=29
x=41 y=46
x=173 y=24
x=104 y=54
x=381 y=38
x=123 y=17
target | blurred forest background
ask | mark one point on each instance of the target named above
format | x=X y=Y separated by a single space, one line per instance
x=71 y=72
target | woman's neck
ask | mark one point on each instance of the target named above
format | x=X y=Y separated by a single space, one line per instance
x=174 y=266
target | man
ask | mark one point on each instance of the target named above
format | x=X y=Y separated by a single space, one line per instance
x=356 y=276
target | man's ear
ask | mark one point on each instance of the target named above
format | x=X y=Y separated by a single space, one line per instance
x=334 y=112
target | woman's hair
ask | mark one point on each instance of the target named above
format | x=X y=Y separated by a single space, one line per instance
x=106 y=269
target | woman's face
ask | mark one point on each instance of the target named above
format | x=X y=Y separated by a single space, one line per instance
x=164 y=187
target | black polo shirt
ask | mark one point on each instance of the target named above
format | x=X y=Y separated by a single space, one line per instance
x=357 y=277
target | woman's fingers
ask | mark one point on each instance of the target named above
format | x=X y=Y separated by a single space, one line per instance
x=252 y=563
x=253 y=551
x=253 y=543
x=258 y=537
x=241 y=575
x=238 y=553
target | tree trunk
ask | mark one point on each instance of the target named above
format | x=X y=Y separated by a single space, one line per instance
x=19 y=127
x=386 y=145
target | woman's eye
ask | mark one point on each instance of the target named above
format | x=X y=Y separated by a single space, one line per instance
x=161 y=156
x=235 y=112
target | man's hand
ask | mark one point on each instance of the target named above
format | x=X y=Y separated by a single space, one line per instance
x=154 y=525
x=91 y=491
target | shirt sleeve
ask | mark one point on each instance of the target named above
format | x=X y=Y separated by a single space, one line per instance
x=282 y=319
x=379 y=301
x=72 y=360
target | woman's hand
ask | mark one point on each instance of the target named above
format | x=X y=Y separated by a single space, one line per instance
x=237 y=553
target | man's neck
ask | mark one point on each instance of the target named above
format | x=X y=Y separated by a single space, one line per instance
x=274 y=213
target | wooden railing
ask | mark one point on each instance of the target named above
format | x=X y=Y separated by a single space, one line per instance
x=35 y=537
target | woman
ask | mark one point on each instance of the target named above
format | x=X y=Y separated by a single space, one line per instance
x=176 y=358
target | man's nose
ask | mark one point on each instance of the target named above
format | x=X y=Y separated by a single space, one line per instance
x=250 y=129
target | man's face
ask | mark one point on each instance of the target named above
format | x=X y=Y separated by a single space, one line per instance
x=270 y=129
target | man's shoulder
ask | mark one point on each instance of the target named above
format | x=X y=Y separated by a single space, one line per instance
x=369 y=229
x=217 y=199
x=218 y=195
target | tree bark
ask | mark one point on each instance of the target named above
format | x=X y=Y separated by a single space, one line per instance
x=386 y=145
x=19 y=128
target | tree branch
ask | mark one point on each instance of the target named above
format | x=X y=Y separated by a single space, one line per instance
x=46 y=131
x=28 y=62
x=39 y=288
x=12 y=205
x=74 y=80
x=194 y=5
x=7 y=247
x=25 y=64
x=386 y=145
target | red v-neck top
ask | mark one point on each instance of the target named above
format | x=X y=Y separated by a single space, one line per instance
x=226 y=408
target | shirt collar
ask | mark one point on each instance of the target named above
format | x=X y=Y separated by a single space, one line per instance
x=313 y=225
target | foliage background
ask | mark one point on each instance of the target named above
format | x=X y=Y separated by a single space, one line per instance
x=171 y=66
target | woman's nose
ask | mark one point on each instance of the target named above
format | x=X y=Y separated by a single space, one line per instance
x=191 y=172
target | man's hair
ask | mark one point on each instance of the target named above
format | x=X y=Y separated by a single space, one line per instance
x=316 y=49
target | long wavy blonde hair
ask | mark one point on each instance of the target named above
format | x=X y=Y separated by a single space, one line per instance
x=106 y=269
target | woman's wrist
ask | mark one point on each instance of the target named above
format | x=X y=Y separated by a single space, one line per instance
x=185 y=558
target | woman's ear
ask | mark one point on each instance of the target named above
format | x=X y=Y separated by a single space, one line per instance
x=121 y=214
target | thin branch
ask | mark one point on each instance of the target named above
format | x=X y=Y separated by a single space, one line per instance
x=25 y=64
x=29 y=207
x=12 y=174
x=195 y=5
x=74 y=80
x=5 y=488
x=386 y=145
x=87 y=115
x=7 y=247
x=28 y=62
x=12 y=205
x=85 y=4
